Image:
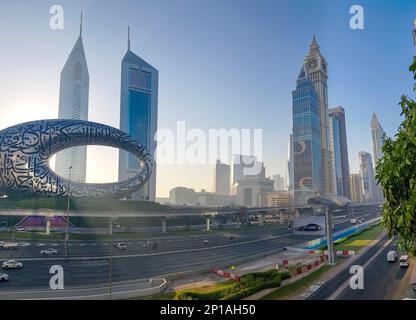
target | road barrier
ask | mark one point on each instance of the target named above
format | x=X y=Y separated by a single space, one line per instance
x=338 y=252
x=227 y=275
x=309 y=266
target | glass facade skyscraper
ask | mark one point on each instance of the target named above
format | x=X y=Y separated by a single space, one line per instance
x=367 y=176
x=138 y=117
x=377 y=134
x=317 y=69
x=306 y=137
x=339 y=151
x=73 y=104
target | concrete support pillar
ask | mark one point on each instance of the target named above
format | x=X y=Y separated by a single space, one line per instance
x=261 y=220
x=208 y=224
x=110 y=227
x=164 y=225
x=281 y=217
x=48 y=227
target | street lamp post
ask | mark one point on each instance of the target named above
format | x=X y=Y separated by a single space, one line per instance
x=110 y=269
x=67 y=214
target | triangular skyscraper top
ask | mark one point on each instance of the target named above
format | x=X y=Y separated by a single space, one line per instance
x=131 y=57
x=374 y=122
x=314 y=47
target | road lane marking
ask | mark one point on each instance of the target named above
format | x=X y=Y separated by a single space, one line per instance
x=155 y=253
x=337 y=293
x=24 y=244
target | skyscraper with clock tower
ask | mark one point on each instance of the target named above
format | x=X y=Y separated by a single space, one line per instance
x=317 y=69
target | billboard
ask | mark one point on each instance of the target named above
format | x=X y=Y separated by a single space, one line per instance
x=313 y=225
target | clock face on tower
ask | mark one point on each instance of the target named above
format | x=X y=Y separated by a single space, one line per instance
x=312 y=64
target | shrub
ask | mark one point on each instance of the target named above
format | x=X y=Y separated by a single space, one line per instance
x=249 y=284
x=285 y=275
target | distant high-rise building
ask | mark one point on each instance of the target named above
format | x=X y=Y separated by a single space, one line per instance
x=306 y=138
x=316 y=68
x=73 y=104
x=289 y=170
x=414 y=35
x=138 y=117
x=222 y=178
x=279 y=182
x=378 y=135
x=339 y=151
x=356 y=188
x=367 y=176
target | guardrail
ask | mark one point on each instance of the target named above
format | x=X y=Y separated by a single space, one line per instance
x=322 y=241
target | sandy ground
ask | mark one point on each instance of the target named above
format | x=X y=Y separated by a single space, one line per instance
x=294 y=256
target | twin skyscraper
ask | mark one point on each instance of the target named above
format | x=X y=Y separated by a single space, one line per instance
x=138 y=113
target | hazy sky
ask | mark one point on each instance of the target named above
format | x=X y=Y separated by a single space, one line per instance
x=222 y=64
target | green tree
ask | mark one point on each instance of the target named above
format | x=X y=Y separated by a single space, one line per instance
x=396 y=173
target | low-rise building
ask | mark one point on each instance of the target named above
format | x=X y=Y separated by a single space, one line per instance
x=274 y=199
x=249 y=189
x=183 y=196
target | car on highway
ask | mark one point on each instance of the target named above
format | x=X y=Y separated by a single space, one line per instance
x=4 y=277
x=8 y=245
x=310 y=227
x=121 y=246
x=392 y=256
x=19 y=229
x=404 y=261
x=49 y=251
x=206 y=241
x=12 y=264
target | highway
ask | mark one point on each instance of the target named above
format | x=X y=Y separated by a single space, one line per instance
x=382 y=280
x=88 y=248
x=88 y=261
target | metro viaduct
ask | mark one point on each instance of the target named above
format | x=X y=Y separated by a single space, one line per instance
x=206 y=213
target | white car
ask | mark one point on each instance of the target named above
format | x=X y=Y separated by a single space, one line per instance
x=4 y=277
x=121 y=246
x=20 y=229
x=392 y=256
x=12 y=264
x=404 y=261
x=49 y=251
